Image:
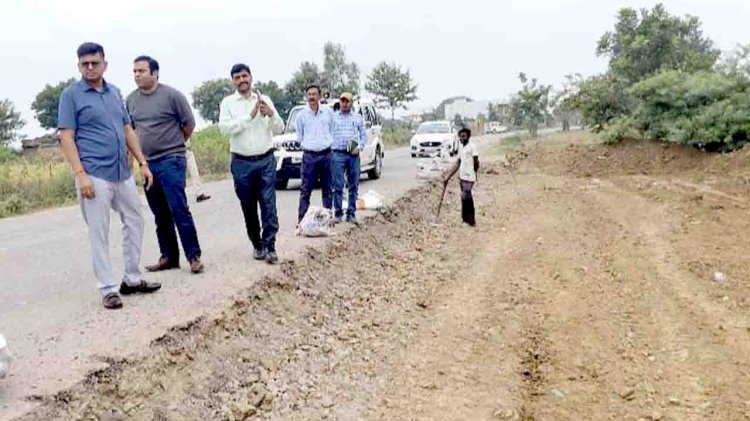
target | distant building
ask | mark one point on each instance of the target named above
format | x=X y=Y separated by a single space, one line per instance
x=468 y=110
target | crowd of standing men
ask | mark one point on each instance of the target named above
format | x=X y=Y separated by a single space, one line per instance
x=99 y=131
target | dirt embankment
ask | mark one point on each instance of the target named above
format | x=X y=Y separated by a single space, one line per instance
x=587 y=292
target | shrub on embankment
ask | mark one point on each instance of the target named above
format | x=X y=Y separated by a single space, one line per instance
x=667 y=81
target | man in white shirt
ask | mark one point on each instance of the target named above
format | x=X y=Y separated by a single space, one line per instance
x=467 y=166
x=250 y=120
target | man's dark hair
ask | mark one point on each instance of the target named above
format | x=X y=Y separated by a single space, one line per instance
x=239 y=67
x=465 y=130
x=90 y=48
x=153 y=65
x=312 y=87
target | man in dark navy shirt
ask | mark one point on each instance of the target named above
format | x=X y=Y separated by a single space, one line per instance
x=95 y=135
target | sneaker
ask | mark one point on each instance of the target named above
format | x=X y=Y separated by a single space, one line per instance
x=143 y=287
x=271 y=256
x=337 y=220
x=196 y=266
x=112 y=301
x=202 y=197
x=259 y=254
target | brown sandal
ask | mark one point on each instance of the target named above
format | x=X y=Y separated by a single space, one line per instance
x=112 y=301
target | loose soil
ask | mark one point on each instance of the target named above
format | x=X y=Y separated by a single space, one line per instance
x=588 y=291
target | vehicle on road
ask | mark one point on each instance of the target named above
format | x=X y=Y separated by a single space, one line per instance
x=494 y=127
x=289 y=151
x=433 y=136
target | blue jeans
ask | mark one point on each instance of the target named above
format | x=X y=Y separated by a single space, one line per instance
x=315 y=166
x=168 y=202
x=345 y=171
x=255 y=184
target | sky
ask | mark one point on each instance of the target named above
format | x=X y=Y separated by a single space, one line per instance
x=468 y=47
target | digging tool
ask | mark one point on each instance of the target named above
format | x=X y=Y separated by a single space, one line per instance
x=442 y=196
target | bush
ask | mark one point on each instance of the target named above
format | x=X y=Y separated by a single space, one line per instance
x=395 y=135
x=705 y=109
x=600 y=100
x=211 y=150
x=31 y=183
x=7 y=155
x=618 y=129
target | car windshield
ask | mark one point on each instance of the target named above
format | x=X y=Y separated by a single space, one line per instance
x=434 y=128
x=290 y=126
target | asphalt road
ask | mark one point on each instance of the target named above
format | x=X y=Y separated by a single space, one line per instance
x=50 y=309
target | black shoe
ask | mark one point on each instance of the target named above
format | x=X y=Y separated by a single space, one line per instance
x=271 y=256
x=259 y=254
x=352 y=220
x=143 y=287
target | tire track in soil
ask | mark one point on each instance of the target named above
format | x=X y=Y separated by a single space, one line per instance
x=462 y=365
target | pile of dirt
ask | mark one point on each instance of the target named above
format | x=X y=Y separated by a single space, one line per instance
x=310 y=343
x=631 y=157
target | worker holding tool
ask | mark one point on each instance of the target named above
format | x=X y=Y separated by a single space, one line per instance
x=467 y=166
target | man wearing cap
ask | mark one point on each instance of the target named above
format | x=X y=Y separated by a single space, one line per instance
x=349 y=137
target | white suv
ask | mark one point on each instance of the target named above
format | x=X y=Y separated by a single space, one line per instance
x=289 y=152
x=433 y=136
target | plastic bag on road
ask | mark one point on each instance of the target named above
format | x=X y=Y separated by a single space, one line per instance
x=318 y=222
x=434 y=167
x=5 y=358
x=371 y=200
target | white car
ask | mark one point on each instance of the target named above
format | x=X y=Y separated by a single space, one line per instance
x=433 y=136
x=289 y=152
x=493 y=127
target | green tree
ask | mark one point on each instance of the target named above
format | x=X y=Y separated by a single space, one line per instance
x=600 y=99
x=279 y=96
x=307 y=74
x=392 y=86
x=492 y=114
x=10 y=121
x=530 y=107
x=208 y=96
x=642 y=45
x=47 y=102
x=338 y=74
x=736 y=62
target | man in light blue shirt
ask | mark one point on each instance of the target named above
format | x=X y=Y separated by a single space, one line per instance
x=349 y=138
x=314 y=126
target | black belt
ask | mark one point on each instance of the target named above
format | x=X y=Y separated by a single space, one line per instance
x=341 y=151
x=323 y=152
x=253 y=157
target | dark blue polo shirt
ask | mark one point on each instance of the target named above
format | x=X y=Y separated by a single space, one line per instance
x=99 y=119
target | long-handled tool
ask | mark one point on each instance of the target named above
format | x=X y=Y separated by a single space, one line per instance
x=442 y=196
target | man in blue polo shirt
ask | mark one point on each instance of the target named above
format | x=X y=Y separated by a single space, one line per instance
x=95 y=135
x=314 y=126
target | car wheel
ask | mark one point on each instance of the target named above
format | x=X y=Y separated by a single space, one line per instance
x=282 y=183
x=377 y=168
